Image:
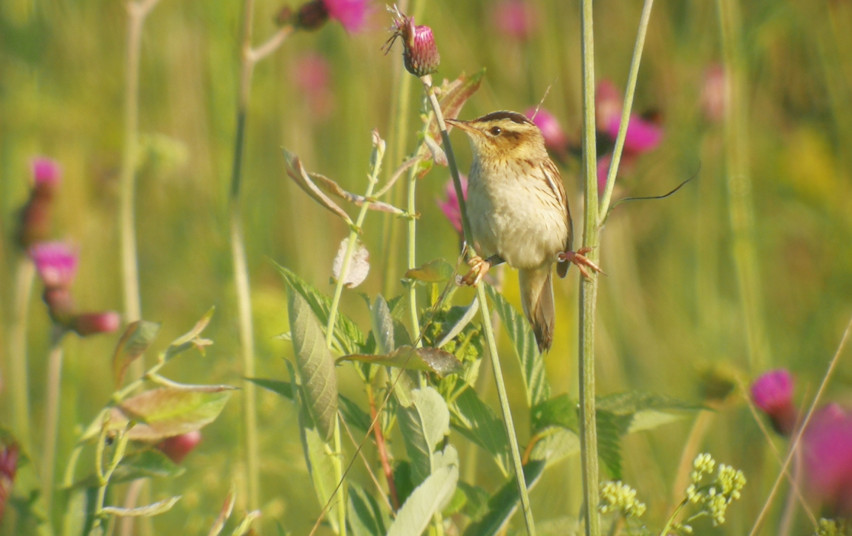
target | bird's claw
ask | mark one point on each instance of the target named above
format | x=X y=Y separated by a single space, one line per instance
x=478 y=268
x=579 y=258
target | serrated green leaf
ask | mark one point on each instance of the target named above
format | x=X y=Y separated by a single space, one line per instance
x=523 y=341
x=167 y=412
x=554 y=443
x=503 y=505
x=314 y=364
x=476 y=499
x=347 y=334
x=149 y=510
x=382 y=323
x=558 y=411
x=366 y=516
x=407 y=357
x=423 y=423
x=477 y=422
x=435 y=271
x=611 y=427
x=425 y=501
x=137 y=337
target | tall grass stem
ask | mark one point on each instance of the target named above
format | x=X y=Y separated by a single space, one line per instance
x=18 y=374
x=51 y=419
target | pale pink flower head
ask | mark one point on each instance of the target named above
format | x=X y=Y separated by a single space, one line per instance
x=608 y=103
x=46 y=172
x=603 y=170
x=772 y=393
x=714 y=99
x=827 y=447
x=312 y=72
x=419 y=50
x=642 y=135
x=450 y=204
x=554 y=137
x=86 y=324
x=515 y=19
x=349 y=13
x=56 y=263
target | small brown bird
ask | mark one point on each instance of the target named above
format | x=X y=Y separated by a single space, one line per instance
x=519 y=212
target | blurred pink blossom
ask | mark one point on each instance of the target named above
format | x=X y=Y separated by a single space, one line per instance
x=45 y=171
x=642 y=135
x=515 y=19
x=312 y=74
x=56 y=263
x=178 y=447
x=827 y=448
x=713 y=94
x=772 y=392
x=555 y=138
x=350 y=13
x=8 y=468
x=608 y=103
x=450 y=205
x=86 y=324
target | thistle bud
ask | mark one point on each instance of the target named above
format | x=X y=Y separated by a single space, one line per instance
x=86 y=324
x=35 y=217
x=772 y=392
x=418 y=45
x=56 y=263
x=178 y=447
x=310 y=16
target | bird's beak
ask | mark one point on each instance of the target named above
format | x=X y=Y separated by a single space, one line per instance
x=462 y=125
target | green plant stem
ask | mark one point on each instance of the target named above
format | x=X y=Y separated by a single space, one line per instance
x=18 y=382
x=740 y=202
x=629 y=91
x=670 y=521
x=506 y=411
x=51 y=418
x=248 y=58
x=105 y=474
x=794 y=445
x=589 y=287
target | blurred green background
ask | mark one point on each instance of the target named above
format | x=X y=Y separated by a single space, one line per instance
x=669 y=305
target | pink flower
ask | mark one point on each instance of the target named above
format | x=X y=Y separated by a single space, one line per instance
x=642 y=135
x=56 y=263
x=772 y=392
x=418 y=45
x=603 y=170
x=45 y=171
x=312 y=75
x=8 y=468
x=178 y=447
x=86 y=324
x=607 y=104
x=450 y=205
x=827 y=448
x=554 y=137
x=714 y=99
x=350 y=13
x=515 y=19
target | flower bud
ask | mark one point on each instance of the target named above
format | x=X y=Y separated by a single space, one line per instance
x=86 y=324
x=46 y=172
x=35 y=217
x=418 y=45
x=312 y=15
x=772 y=392
x=56 y=263
x=178 y=447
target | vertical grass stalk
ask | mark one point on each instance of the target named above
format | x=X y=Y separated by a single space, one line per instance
x=740 y=202
x=51 y=419
x=19 y=378
x=589 y=287
x=506 y=411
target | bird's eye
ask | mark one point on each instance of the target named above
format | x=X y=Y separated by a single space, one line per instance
x=495 y=131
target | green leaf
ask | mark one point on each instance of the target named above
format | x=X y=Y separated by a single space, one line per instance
x=647 y=409
x=423 y=423
x=407 y=357
x=149 y=510
x=425 y=501
x=435 y=271
x=320 y=458
x=611 y=427
x=477 y=422
x=347 y=334
x=314 y=364
x=532 y=363
x=300 y=176
x=167 y=412
x=383 y=327
x=558 y=411
x=505 y=502
x=285 y=389
x=366 y=517
x=136 y=339
x=224 y=514
x=554 y=443
x=148 y=463
x=191 y=338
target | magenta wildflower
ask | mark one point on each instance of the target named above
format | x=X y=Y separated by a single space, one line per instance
x=772 y=392
x=86 y=324
x=642 y=135
x=828 y=459
x=349 y=13
x=418 y=45
x=46 y=171
x=56 y=263
x=450 y=205
x=312 y=74
x=515 y=19
x=8 y=468
x=555 y=138
x=178 y=447
x=603 y=170
x=607 y=104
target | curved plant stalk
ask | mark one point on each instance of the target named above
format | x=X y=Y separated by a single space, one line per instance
x=248 y=58
x=486 y=316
